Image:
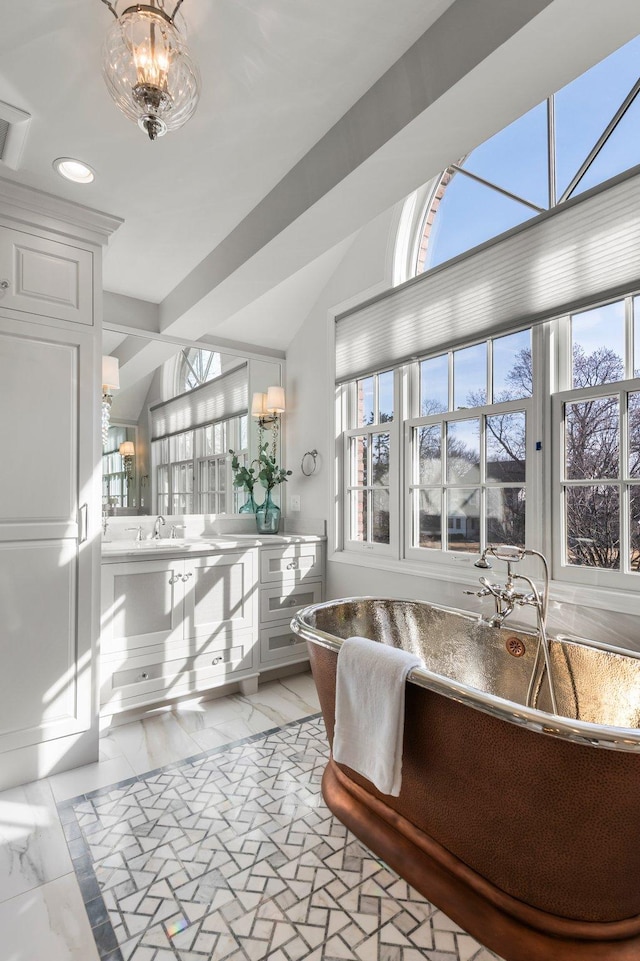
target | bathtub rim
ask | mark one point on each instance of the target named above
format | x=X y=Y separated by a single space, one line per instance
x=586 y=733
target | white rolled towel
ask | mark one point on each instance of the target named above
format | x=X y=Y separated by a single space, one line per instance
x=370 y=693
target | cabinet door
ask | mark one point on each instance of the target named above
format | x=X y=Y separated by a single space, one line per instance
x=141 y=604
x=45 y=277
x=220 y=594
x=293 y=562
x=47 y=562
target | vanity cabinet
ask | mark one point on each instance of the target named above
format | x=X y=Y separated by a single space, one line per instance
x=176 y=625
x=291 y=577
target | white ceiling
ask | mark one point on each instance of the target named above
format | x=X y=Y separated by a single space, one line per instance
x=314 y=118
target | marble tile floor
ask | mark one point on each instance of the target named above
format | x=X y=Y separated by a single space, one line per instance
x=53 y=908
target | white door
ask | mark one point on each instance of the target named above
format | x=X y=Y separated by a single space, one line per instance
x=48 y=551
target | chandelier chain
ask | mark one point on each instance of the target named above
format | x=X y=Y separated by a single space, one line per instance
x=111 y=7
x=175 y=9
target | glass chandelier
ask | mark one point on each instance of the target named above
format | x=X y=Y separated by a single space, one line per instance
x=148 y=69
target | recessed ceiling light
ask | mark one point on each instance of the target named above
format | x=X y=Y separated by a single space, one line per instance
x=73 y=170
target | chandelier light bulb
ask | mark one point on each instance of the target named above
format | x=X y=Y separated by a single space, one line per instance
x=148 y=69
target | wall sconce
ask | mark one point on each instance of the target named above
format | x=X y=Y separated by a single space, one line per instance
x=127 y=452
x=267 y=408
x=110 y=382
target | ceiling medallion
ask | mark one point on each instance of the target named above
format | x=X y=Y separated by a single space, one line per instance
x=148 y=69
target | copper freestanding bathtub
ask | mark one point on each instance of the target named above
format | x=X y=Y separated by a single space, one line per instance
x=521 y=825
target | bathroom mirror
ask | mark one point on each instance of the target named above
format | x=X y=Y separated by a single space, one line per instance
x=183 y=408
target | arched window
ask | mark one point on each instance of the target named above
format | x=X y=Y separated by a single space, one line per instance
x=580 y=137
x=195 y=367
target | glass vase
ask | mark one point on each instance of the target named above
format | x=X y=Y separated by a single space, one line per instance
x=268 y=516
x=249 y=506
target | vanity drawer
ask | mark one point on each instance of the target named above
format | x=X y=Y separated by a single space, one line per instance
x=279 y=643
x=141 y=679
x=278 y=603
x=293 y=562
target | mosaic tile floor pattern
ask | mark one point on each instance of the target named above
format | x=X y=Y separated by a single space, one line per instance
x=233 y=856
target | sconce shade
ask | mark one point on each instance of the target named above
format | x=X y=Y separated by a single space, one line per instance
x=110 y=374
x=258 y=408
x=127 y=449
x=148 y=69
x=275 y=400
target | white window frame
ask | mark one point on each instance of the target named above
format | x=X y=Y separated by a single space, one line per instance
x=346 y=402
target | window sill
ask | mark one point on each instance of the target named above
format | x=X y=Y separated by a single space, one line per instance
x=462 y=571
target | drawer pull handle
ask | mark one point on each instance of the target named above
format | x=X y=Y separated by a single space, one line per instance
x=292 y=640
x=185 y=577
x=144 y=676
x=293 y=566
x=217 y=660
x=4 y=285
x=174 y=578
x=293 y=601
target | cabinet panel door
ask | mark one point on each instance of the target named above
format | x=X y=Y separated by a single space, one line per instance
x=141 y=604
x=46 y=277
x=220 y=593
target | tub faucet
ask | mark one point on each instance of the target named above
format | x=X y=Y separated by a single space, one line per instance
x=508 y=596
x=160 y=521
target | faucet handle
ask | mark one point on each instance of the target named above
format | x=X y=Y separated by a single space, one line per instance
x=138 y=531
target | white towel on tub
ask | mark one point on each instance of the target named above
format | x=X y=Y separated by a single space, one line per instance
x=370 y=689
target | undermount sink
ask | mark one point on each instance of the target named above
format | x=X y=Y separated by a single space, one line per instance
x=132 y=546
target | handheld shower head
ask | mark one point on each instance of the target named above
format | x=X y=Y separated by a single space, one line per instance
x=482 y=562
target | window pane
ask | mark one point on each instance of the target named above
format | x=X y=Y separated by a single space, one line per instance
x=634 y=526
x=592 y=431
x=463 y=520
x=593 y=526
x=359 y=446
x=434 y=386
x=506 y=447
x=358 y=515
x=512 y=370
x=380 y=460
x=429 y=454
x=516 y=158
x=470 y=213
x=620 y=152
x=429 y=518
x=244 y=443
x=634 y=434
x=463 y=451
x=597 y=341
x=586 y=105
x=364 y=402
x=470 y=377
x=380 y=517
x=505 y=515
x=385 y=397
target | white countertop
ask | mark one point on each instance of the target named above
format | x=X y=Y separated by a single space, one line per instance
x=167 y=547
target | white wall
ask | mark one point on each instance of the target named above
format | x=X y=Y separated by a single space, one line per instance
x=366 y=269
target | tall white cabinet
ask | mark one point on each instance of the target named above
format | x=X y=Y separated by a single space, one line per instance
x=50 y=350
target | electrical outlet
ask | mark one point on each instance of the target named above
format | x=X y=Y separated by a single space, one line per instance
x=294 y=502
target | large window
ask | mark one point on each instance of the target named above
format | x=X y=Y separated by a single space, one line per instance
x=193 y=469
x=469 y=460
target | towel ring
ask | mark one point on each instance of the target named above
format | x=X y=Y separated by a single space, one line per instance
x=303 y=463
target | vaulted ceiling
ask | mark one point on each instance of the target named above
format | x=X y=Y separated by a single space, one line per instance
x=314 y=118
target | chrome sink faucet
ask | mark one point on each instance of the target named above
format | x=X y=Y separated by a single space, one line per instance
x=508 y=596
x=160 y=521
